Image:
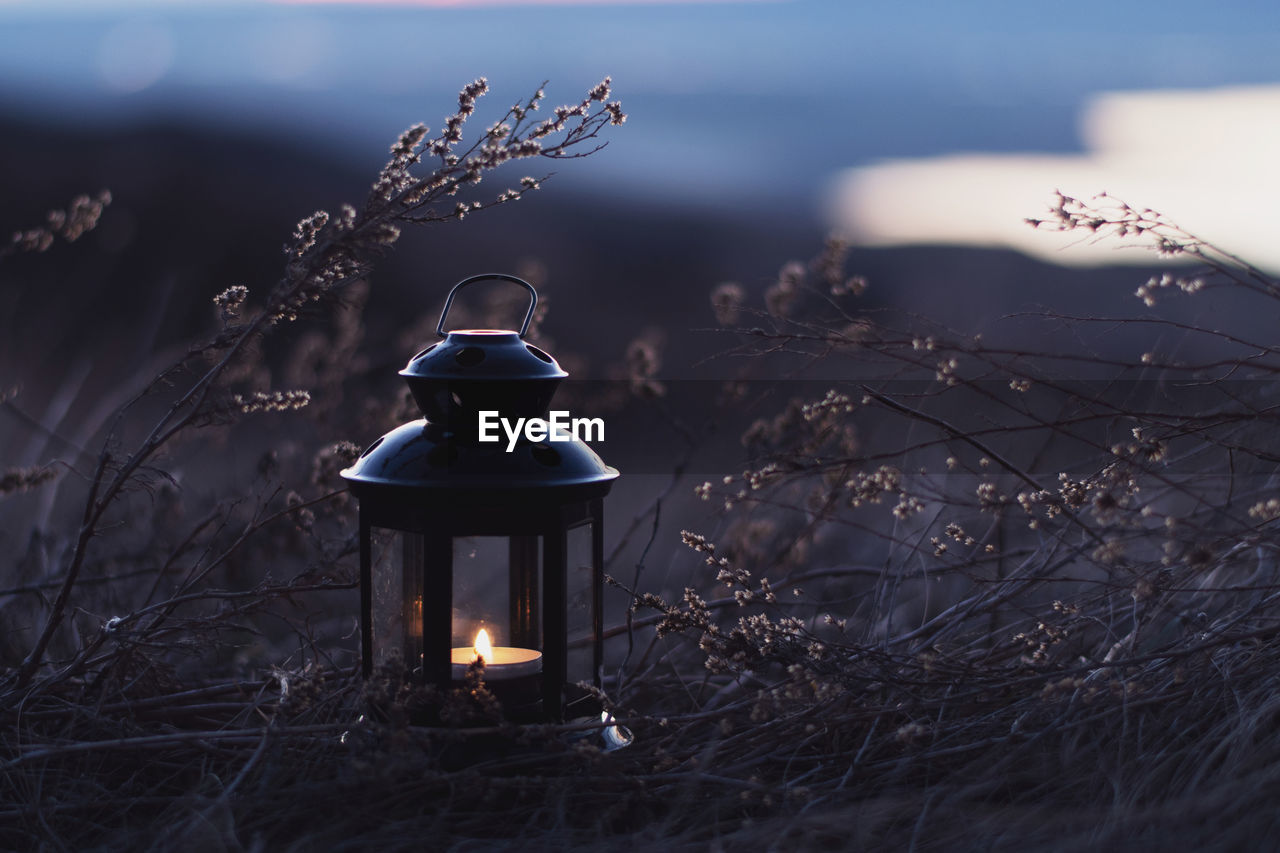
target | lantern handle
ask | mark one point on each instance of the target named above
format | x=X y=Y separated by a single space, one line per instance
x=499 y=276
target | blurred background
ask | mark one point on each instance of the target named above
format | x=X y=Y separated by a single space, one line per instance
x=924 y=133
x=758 y=108
x=890 y=123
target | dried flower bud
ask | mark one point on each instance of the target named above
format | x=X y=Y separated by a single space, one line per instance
x=272 y=401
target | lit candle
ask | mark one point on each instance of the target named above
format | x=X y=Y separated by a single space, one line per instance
x=501 y=663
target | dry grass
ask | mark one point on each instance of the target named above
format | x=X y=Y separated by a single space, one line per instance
x=977 y=596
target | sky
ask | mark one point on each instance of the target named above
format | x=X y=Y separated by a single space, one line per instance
x=910 y=122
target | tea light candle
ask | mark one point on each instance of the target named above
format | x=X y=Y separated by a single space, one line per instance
x=501 y=663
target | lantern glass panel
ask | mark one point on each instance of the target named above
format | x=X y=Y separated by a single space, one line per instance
x=496 y=587
x=397 y=597
x=579 y=612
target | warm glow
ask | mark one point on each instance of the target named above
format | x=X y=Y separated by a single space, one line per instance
x=483 y=648
x=415 y=622
x=501 y=663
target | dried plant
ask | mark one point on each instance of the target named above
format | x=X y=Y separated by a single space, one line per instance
x=987 y=593
x=966 y=594
x=328 y=255
x=80 y=216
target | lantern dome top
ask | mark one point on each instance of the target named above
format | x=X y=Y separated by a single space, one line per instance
x=419 y=463
x=441 y=461
x=474 y=370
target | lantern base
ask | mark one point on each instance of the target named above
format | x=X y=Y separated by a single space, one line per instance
x=519 y=697
x=520 y=702
x=585 y=723
x=474 y=701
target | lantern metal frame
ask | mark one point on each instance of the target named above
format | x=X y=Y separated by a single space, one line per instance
x=431 y=478
x=538 y=617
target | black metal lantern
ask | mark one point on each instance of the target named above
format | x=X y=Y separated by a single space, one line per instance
x=453 y=521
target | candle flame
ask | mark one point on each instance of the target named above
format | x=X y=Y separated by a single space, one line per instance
x=483 y=649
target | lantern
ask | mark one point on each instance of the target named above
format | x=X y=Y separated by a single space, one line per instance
x=470 y=525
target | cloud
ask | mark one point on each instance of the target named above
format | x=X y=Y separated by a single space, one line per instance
x=1203 y=158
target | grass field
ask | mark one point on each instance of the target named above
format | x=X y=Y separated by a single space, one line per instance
x=974 y=593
